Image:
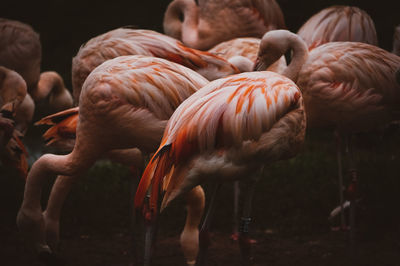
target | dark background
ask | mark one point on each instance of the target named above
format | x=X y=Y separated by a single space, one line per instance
x=293 y=198
x=66 y=24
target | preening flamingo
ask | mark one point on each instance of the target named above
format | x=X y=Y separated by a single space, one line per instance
x=12 y=94
x=396 y=41
x=339 y=24
x=125 y=104
x=127 y=41
x=348 y=86
x=214 y=21
x=242 y=52
x=226 y=131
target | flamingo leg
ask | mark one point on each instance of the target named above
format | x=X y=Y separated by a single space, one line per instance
x=340 y=178
x=236 y=193
x=204 y=235
x=151 y=226
x=352 y=191
x=135 y=177
x=58 y=194
x=245 y=241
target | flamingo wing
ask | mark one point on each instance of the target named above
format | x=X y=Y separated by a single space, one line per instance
x=220 y=116
x=339 y=23
x=349 y=79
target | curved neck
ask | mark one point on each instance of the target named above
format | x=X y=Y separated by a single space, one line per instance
x=187 y=31
x=50 y=82
x=276 y=44
x=299 y=57
x=195 y=202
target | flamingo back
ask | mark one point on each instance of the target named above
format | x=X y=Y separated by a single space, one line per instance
x=150 y=83
x=127 y=41
x=20 y=50
x=350 y=85
x=339 y=24
x=223 y=116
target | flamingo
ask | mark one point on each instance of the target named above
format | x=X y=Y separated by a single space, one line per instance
x=214 y=21
x=339 y=23
x=21 y=50
x=124 y=107
x=335 y=24
x=348 y=86
x=242 y=52
x=127 y=41
x=396 y=41
x=12 y=95
x=226 y=131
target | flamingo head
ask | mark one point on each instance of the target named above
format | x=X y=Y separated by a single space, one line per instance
x=273 y=45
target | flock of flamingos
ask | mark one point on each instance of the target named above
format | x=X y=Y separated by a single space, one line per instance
x=211 y=100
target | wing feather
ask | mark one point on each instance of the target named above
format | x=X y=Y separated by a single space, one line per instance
x=221 y=115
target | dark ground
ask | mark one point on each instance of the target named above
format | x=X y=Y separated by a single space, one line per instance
x=293 y=198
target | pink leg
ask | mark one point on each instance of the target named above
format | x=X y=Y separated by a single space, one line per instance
x=59 y=193
x=204 y=235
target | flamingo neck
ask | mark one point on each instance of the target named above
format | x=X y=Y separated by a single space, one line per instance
x=187 y=31
x=300 y=55
x=50 y=82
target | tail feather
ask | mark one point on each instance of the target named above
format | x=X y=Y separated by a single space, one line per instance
x=63 y=125
x=158 y=167
x=58 y=117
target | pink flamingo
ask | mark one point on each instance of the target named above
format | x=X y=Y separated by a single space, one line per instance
x=125 y=104
x=126 y=41
x=215 y=21
x=339 y=24
x=226 y=131
x=348 y=86
x=336 y=24
x=242 y=52
x=12 y=94
x=20 y=50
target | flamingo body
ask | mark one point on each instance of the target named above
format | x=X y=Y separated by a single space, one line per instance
x=339 y=23
x=224 y=132
x=21 y=50
x=215 y=21
x=241 y=49
x=125 y=104
x=350 y=86
x=125 y=41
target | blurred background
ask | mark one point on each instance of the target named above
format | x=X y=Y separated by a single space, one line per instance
x=292 y=201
